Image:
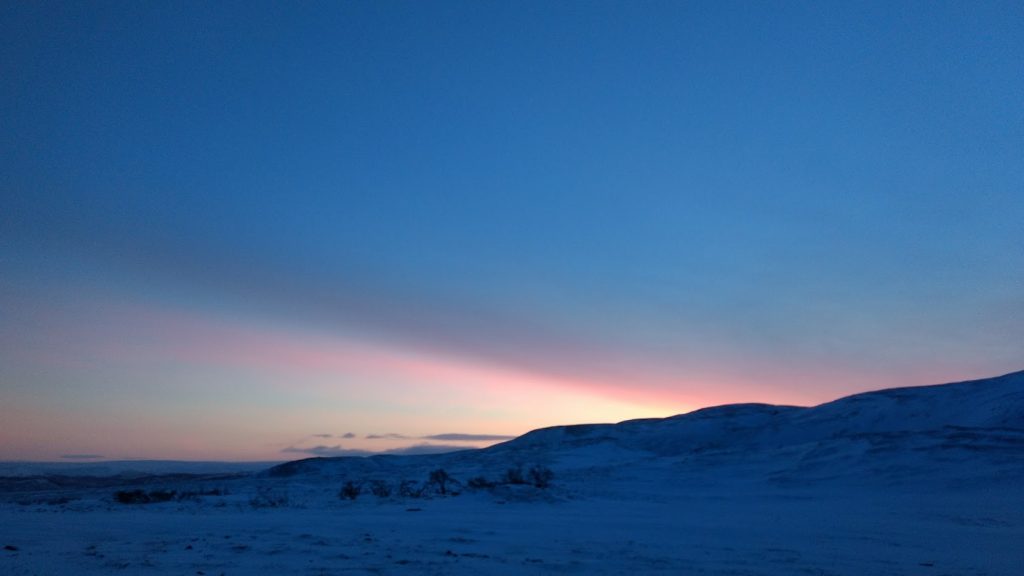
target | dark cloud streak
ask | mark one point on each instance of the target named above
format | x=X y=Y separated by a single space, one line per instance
x=448 y=437
x=426 y=449
x=460 y=437
x=337 y=450
x=327 y=451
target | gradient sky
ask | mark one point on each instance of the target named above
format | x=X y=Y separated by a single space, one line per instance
x=265 y=230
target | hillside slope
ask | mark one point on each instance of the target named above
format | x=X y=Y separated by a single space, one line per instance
x=948 y=431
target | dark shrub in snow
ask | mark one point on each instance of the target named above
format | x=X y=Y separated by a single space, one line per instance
x=141 y=497
x=440 y=480
x=540 y=476
x=350 y=490
x=515 y=476
x=269 y=497
x=410 y=489
x=131 y=497
x=479 y=483
x=380 y=488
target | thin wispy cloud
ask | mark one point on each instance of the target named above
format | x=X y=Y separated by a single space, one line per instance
x=461 y=437
x=426 y=449
x=337 y=450
x=447 y=437
x=327 y=451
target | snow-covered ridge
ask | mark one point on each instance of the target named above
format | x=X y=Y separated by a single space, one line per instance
x=941 y=430
x=989 y=403
x=903 y=482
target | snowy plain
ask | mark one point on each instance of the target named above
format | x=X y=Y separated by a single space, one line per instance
x=926 y=480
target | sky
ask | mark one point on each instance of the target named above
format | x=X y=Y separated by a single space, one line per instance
x=264 y=231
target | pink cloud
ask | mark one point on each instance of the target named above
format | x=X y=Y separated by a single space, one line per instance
x=188 y=337
x=133 y=333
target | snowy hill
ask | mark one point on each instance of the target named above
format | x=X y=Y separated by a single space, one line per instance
x=908 y=481
x=990 y=404
x=959 y=430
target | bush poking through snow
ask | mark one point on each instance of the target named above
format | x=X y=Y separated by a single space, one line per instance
x=480 y=483
x=143 y=497
x=131 y=497
x=196 y=495
x=537 y=476
x=440 y=483
x=380 y=488
x=268 y=497
x=440 y=479
x=540 y=476
x=410 y=489
x=350 y=490
x=515 y=476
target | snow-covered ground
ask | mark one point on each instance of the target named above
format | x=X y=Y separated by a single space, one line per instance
x=925 y=480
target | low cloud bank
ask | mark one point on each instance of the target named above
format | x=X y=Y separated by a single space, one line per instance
x=460 y=437
x=338 y=450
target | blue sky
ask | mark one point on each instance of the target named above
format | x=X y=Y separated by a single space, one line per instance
x=621 y=209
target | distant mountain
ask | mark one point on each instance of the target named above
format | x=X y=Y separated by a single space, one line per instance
x=128 y=468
